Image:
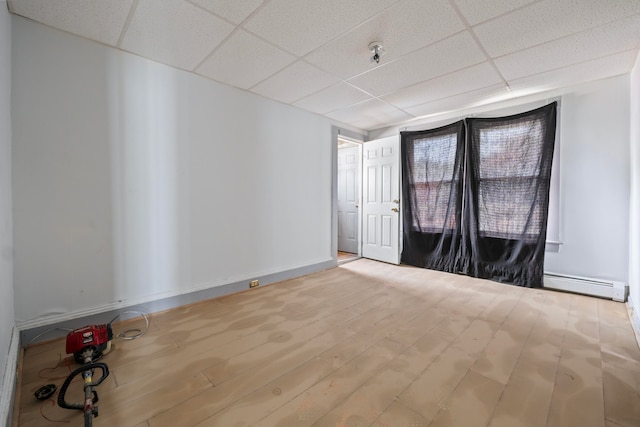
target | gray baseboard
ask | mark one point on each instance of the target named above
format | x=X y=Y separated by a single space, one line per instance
x=59 y=329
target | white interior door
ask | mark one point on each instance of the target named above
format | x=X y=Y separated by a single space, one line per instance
x=348 y=198
x=381 y=200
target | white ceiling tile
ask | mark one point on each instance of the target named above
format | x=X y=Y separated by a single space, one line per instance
x=174 y=32
x=549 y=19
x=476 y=11
x=235 y=11
x=100 y=20
x=600 y=41
x=300 y=26
x=244 y=60
x=294 y=82
x=333 y=98
x=446 y=56
x=596 y=69
x=458 y=102
x=466 y=80
x=432 y=63
x=405 y=27
x=370 y=114
x=372 y=123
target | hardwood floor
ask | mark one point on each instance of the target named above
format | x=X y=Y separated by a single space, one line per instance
x=346 y=256
x=364 y=344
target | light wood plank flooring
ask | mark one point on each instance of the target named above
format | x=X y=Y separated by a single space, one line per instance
x=346 y=256
x=364 y=344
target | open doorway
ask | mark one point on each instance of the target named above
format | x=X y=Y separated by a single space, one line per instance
x=367 y=210
x=348 y=192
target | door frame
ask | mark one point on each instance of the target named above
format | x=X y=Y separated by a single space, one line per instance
x=342 y=140
x=356 y=137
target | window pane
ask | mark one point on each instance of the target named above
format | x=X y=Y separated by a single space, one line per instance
x=432 y=168
x=433 y=198
x=511 y=150
x=504 y=208
x=434 y=158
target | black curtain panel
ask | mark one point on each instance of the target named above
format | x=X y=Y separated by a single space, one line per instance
x=476 y=196
x=432 y=168
x=508 y=174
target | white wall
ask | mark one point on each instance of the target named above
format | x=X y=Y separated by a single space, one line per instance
x=594 y=174
x=6 y=244
x=134 y=181
x=594 y=182
x=634 y=223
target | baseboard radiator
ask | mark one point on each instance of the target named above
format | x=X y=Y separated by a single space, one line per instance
x=610 y=289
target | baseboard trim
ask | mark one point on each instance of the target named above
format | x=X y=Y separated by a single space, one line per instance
x=9 y=380
x=57 y=326
x=634 y=316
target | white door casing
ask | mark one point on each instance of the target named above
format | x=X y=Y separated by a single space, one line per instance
x=348 y=198
x=381 y=200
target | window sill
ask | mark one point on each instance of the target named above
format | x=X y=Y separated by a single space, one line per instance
x=551 y=246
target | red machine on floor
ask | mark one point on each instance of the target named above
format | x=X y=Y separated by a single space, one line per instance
x=91 y=341
x=87 y=344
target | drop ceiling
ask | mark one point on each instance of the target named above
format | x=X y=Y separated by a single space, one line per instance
x=440 y=55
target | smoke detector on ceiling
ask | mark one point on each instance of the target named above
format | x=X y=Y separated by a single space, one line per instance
x=378 y=50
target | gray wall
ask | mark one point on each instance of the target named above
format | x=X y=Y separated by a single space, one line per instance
x=6 y=245
x=134 y=181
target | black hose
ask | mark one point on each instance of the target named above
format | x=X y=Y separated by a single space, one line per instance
x=88 y=367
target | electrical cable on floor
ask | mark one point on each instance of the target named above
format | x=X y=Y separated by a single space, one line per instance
x=54 y=368
x=46 y=332
x=137 y=332
x=53 y=403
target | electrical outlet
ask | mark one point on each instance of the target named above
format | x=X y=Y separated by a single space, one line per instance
x=253 y=283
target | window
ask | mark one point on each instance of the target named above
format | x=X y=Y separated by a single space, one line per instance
x=509 y=170
x=433 y=173
x=434 y=164
x=499 y=232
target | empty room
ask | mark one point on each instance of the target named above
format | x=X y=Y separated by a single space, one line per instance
x=320 y=213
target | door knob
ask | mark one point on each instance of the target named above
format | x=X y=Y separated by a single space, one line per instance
x=396 y=201
x=395 y=209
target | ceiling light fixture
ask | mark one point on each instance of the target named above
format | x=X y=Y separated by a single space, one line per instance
x=377 y=50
